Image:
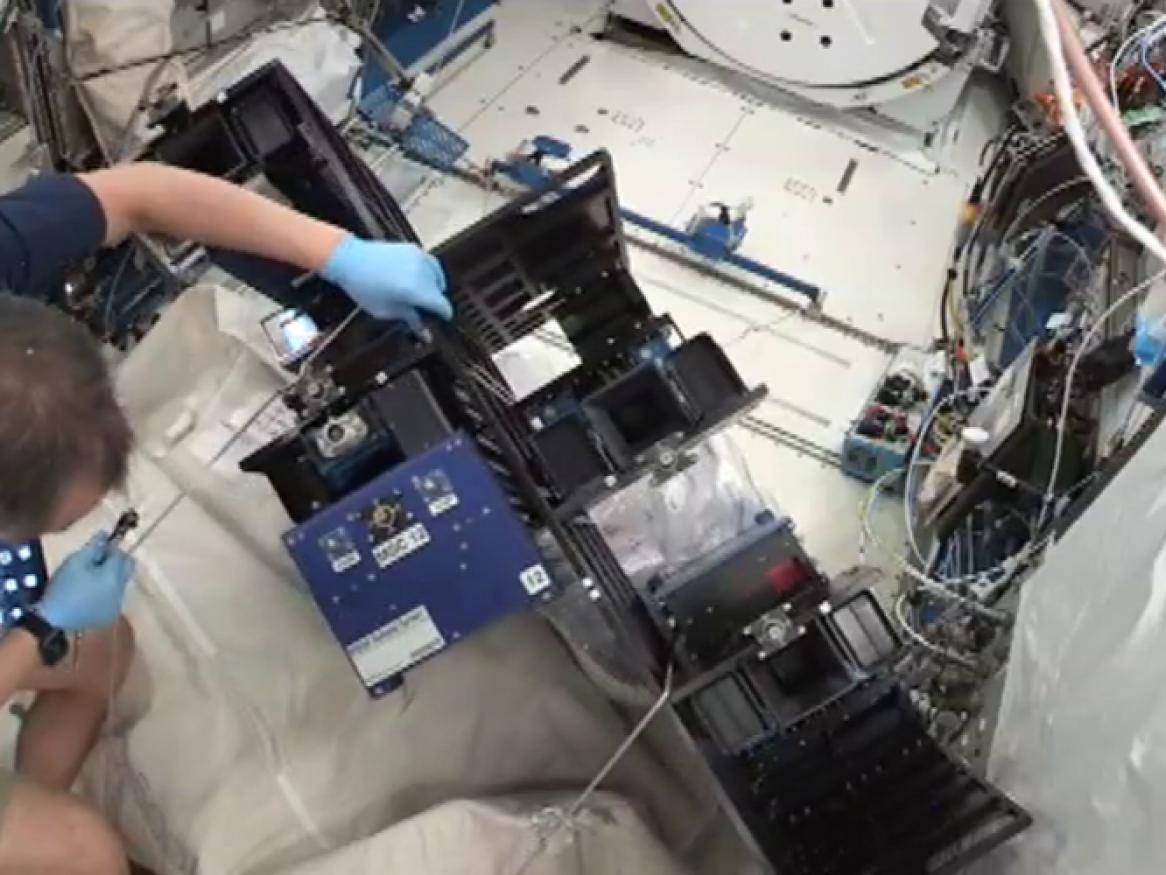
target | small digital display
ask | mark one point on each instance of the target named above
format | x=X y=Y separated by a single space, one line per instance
x=292 y=333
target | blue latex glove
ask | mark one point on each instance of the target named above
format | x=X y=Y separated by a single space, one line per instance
x=389 y=280
x=1148 y=348
x=83 y=595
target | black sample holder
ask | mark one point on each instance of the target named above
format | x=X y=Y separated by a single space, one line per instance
x=559 y=254
x=711 y=601
x=820 y=750
x=860 y=788
x=763 y=691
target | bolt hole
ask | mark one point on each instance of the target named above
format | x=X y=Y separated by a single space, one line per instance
x=786 y=36
x=825 y=41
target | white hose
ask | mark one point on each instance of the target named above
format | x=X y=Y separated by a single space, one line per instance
x=1071 y=121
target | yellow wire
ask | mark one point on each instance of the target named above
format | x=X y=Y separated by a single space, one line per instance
x=954 y=315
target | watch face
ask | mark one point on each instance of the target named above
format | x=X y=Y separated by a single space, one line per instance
x=54 y=647
x=22 y=579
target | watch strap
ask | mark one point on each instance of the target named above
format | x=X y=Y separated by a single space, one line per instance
x=34 y=623
x=52 y=643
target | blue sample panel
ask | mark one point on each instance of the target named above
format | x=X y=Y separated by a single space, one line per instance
x=23 y=576
x=416 y=560
x=440 y=32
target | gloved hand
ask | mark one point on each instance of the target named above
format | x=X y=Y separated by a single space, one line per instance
x=389 y=280
x=83 y=595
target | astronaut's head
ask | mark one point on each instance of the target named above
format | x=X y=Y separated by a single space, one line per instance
x=64 y=440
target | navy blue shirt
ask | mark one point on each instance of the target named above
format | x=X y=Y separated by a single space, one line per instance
x=47 y=228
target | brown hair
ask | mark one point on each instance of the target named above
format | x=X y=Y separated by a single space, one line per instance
x=59 y=416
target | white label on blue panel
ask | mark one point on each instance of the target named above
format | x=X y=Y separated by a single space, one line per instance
x=535 y=579
x=341 y=552
x=343 y=563
x=440 y=505
x=399 y=546
x=393 y=648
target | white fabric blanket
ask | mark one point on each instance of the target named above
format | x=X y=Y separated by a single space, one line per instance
x=132 y=38
x=243 y=742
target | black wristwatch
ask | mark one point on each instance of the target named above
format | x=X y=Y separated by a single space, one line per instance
x=51 y=641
